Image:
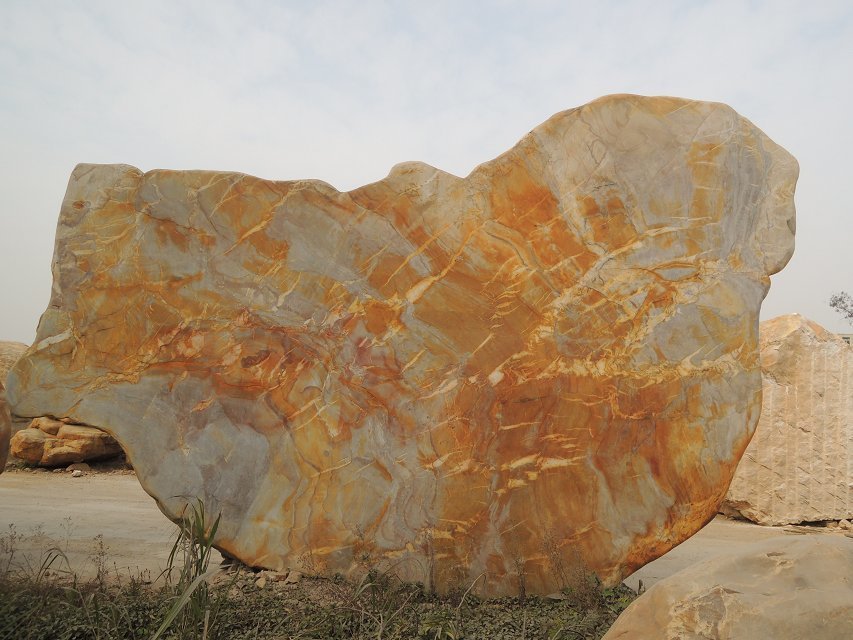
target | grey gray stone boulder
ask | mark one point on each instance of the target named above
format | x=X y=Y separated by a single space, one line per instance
x=794 y=589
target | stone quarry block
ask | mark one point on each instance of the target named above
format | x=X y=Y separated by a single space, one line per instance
x=48 y=425
x=781 y=589
x=492 y=378
x=799 y=465
x=51 y=443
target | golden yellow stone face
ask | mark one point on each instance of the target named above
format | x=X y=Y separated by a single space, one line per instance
x=548 y=362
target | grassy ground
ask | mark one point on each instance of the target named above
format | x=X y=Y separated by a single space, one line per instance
x=42 y=598
x=56 y=609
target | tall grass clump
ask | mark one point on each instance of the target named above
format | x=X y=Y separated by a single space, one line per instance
x=195 y=608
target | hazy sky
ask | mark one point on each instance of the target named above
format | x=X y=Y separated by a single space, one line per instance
x=342 y=91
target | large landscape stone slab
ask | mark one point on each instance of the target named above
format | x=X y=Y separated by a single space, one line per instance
x=550 y=361
x=780 y=589
x=799 y=465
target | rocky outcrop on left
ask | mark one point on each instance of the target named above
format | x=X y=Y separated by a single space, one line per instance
x=53 y=443
x=5 y=428
x=787 y=589
x=9 y=354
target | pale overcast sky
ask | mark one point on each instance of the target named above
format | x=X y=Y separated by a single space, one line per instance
x=342 y=91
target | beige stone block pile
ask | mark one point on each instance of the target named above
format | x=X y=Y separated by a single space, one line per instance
x=52 y=443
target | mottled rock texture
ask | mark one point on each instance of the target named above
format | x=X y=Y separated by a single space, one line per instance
x=781 y=589
x=51 y=443
x=549 y=361
x=5 y=428
x=799 y=465
x=9 y=354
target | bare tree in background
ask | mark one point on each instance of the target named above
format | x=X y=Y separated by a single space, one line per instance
x=843 y=304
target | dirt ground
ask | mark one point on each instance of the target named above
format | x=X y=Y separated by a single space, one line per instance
x=54 y=510
x=46 y=510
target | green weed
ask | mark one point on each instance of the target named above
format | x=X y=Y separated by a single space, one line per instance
x=195 y=608
x=42 y=599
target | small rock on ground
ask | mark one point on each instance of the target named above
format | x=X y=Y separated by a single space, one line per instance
x=293 y=577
